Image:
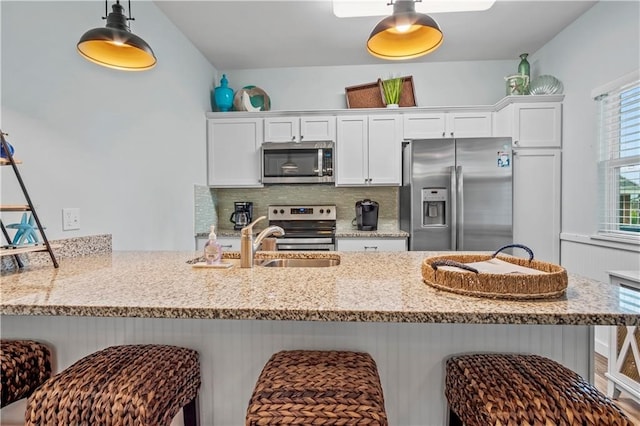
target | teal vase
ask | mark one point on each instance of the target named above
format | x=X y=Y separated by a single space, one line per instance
x=223 y=95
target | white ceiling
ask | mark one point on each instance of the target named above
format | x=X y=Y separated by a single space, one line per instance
x=249 y=34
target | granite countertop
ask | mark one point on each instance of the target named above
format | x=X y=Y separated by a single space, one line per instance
x=371 y=287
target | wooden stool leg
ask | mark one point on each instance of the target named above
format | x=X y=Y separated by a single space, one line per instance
x=190 y=413
x=454 y=420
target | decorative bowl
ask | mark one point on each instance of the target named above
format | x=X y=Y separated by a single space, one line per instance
x=545 y=85
x=251 y=98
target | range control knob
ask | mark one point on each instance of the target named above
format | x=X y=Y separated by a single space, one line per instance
x=328 y=211
x=281 y=211
x=321 y=211
x=275 y=211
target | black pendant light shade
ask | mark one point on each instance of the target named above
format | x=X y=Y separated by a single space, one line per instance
x=404 y=35
x=115 y=46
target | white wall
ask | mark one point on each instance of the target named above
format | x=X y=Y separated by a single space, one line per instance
x=600 y=46
x=435 y=83
x=126 y=148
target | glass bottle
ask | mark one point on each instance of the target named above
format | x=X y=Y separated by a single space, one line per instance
x=524 y=67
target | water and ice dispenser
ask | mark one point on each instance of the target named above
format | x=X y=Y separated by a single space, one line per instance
x=435 y=202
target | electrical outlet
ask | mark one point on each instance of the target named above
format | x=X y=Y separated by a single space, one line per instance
x=70 y=219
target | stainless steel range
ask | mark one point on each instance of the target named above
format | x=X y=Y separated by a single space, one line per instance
x=307 y=227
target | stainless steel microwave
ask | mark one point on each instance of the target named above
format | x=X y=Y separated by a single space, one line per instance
x=297 y=162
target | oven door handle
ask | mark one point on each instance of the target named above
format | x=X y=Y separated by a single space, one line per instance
x=304 y=241
x=329 y=247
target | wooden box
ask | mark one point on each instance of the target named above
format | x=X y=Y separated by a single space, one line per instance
x=371 y=95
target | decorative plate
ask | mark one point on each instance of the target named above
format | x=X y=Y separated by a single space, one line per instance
x=251 y=98
x=545 y=85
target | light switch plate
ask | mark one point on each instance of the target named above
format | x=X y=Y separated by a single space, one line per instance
x=70 y=219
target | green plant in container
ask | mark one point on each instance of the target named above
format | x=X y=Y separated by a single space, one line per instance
x=392 y=89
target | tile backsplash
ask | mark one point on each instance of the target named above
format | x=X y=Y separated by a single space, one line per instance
x=214 y=206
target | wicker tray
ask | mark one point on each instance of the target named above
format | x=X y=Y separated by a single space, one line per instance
x=550 y=282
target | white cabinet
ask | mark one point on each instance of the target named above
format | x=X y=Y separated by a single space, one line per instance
x=537 y=125
x=536 y=201
x=368 y=150
x=298 y=129
x=371 y=244
x=531 y=125
x=233 y=152
x=448 y=125
x=227 y=243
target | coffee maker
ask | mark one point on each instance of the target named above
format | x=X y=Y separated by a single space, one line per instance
x=242 y=214
x=367 y=215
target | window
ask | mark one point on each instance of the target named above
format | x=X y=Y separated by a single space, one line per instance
x=619 y=163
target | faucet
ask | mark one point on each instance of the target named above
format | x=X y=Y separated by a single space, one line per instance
x=248 y=246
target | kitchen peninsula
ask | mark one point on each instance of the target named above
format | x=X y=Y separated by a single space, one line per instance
x=236 y=318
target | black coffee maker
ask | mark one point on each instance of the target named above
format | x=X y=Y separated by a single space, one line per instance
x=367 y=215
x=242 y=214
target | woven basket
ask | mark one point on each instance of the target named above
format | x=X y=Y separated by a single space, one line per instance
x=25 y=365
x=551 y=284
x=520 y=389
x=318 y=388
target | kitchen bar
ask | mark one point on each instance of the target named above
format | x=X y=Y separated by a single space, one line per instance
x=236 y=318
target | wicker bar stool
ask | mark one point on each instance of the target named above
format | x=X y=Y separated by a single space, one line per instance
x=25 y=365
x=121 y=385
x=511 y=389
x=319 y=388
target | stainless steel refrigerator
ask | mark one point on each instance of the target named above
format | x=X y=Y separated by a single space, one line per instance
x=457 y=193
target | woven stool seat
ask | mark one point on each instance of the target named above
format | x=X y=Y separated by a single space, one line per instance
x=510 y=389
x=25 y=365
x=319 y=388
x=120 y=385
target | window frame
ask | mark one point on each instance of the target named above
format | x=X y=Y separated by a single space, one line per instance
x=610 y=162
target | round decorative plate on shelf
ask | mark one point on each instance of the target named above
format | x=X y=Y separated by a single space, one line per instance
x=251 y=98
x=545 y=85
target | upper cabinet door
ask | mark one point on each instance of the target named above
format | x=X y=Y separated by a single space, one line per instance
x=282 y=129
x=298 y=129
x=385 y=149
x=233 y=152
x=424 y=126
x=318 y=128
x=447 y=125
x=468 y=124
x=537 y=125
x=352 y=153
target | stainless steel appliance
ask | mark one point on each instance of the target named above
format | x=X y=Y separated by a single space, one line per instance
x=307 y=227
x=297 y=162
x=367 y=215
x=242 y=214
x=457 y=194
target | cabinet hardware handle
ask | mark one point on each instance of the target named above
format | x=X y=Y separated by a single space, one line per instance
x=301 y=136
x=451 y=134
x=293 y=138
x=375 y=248
x=227 y=246
x=515 y=142
x=443 y=133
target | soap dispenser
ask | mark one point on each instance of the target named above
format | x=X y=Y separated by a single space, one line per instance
x=212 y=249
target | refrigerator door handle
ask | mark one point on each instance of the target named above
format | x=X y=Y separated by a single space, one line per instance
x=460 y=208
x=453 y=214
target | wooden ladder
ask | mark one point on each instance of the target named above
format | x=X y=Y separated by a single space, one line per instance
x=14 y=249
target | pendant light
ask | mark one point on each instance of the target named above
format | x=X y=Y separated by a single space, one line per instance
x=115 y=46
x=404 y=35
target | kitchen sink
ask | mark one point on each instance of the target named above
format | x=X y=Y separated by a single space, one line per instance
x=300 y=263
